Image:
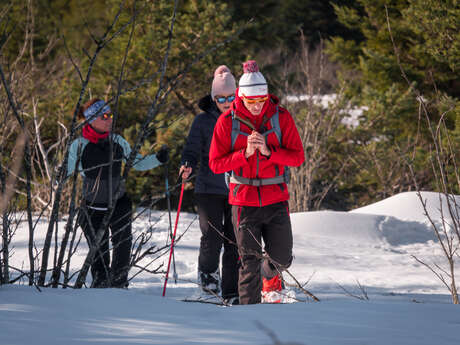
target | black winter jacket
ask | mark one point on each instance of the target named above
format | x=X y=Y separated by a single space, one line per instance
x=196 y=150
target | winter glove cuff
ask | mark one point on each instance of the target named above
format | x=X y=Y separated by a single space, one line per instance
x=163 y=154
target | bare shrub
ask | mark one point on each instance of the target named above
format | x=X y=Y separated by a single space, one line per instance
x=321 y=121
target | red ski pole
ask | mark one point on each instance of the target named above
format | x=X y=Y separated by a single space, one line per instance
x=174 y=236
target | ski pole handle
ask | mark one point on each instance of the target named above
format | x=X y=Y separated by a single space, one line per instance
x=186 y=165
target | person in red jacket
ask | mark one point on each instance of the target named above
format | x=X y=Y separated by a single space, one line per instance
x=256 y=139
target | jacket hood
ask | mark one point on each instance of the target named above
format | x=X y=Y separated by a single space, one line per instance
x=208 y=105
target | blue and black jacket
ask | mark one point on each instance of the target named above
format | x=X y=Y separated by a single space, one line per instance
x=94 y=166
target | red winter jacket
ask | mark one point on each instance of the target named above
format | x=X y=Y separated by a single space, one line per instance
x=223 y=159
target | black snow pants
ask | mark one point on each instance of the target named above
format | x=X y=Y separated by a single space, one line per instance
x=252 y=224
x=90 y=219
x=216 y=230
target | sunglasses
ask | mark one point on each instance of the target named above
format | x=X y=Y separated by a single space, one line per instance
x=107 y=116
x=222 y=100
x=256 y=100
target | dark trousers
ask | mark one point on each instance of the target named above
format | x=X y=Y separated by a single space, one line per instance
x=252 y=224
x=90 y=221
x=216 y=230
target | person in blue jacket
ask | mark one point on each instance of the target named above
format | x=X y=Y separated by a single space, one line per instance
x=98 y=155
x=211 y=193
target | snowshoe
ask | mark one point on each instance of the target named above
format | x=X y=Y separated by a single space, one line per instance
x=232 y=300
x=273 y=291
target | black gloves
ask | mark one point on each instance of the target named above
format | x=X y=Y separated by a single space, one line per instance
x=163 y=154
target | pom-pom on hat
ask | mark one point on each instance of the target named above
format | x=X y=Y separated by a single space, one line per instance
x=223 y=82
x=252 y=82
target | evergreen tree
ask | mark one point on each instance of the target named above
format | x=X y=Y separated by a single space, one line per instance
x=420 y=39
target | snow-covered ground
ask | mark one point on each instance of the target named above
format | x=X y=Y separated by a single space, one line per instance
x=334 y=251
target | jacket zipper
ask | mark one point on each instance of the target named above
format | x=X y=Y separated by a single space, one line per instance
x=257 y=176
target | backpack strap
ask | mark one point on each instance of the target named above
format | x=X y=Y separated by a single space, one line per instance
x=275 y=124
x=257 y=182
x=236 y=127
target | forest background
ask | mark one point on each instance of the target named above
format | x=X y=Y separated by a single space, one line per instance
x=397 y=62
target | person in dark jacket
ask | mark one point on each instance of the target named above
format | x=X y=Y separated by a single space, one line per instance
x=256 y=139
x=211 y=193
x=99 y=154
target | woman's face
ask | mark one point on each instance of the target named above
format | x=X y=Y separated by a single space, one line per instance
x=223 y=102
x=254 y=105
x=103 y=123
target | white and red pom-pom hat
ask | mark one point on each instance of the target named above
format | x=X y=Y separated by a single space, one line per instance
x=252 y=83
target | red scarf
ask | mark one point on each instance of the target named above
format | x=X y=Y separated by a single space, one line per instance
x=92 y=135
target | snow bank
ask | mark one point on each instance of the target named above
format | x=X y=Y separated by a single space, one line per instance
x=361 y=228
x=407 y=206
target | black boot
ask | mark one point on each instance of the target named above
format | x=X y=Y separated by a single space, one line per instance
x=209 y=282
x=235 y=300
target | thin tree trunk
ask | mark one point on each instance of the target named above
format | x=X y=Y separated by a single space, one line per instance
x=453 y=284
x=70 y=253
x=5 y=277
x=22 y=140
x=27 y=161
x=68 y=229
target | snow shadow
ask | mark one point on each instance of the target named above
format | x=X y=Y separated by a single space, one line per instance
x=397 y=232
